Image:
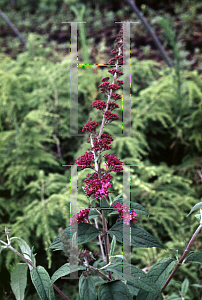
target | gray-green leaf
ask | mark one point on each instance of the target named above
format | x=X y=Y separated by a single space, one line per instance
x=19 y=280
x=114 y=290
x=43 y=285
x=65 y=270
x=87 y=288
x=139 y=237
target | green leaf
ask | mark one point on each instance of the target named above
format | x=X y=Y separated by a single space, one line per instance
x=26 y=251
x=114 y=290
x=117 y=198
x=0 y=248
x=41 y=281
x=113 y=211
x=184 y=288
x=160 y=271
x=174 y=297
x=113 y=245
x=104 y=204
x=198 y=217
x=197 y=206
x=19 y=280
x=197 y=285
x=195 y=257
x=143 y=295
x=110 y=199
x=134 y=276
x=98 y=280
x=139 y=208
x=158 y=274
x=93 y=213
x=87 y=288
x=86 y=232
x=65 y=270
x=139 y=237
x=133 y=290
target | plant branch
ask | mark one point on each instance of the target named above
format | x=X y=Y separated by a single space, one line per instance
x=17 y=32
x=97 y=270
x=106 y=239
x=60 y=292
x=151 y=32
x=28 y=262
x=190 y=244
x=100 y=241
x=108 y=100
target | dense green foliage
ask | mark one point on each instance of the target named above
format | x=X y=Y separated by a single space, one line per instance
x=166 y=109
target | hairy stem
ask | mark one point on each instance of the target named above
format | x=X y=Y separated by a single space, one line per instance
x=97 y=270
x=190 y=244
x=106 y=240
x=100 y=241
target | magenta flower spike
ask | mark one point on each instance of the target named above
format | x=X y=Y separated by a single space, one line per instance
x=99 y=183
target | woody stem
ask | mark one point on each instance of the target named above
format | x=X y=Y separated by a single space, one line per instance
x=106 y=240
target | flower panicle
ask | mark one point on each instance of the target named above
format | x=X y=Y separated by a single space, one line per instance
x=80 y=217
x=99 y=183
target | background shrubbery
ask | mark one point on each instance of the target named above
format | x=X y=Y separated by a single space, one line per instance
x=166 y=110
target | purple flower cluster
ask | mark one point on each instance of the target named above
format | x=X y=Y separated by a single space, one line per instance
x=102 y=144
x=85 y=161
x=98 y=188
x=113 y=163
x=90 y=126
x=81 y=217
x=126 y=214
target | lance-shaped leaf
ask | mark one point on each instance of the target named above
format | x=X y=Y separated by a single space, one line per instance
x=158 y=274
x=197 y=206
x=26 y=251
x=133 y=290
x=98 y=280
x=198 y=217
x=113 y=245
x=117 y=198
x=104 y=204
x=93 y=213
x=41 y=281
x=139 y=208
x=65 y=270
x=194 y=258
x=87 y=288
x=134 y=276
x=86 y=233
x=114 y=290
x=139 y=237
x=185 y=287
x=19 y=280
